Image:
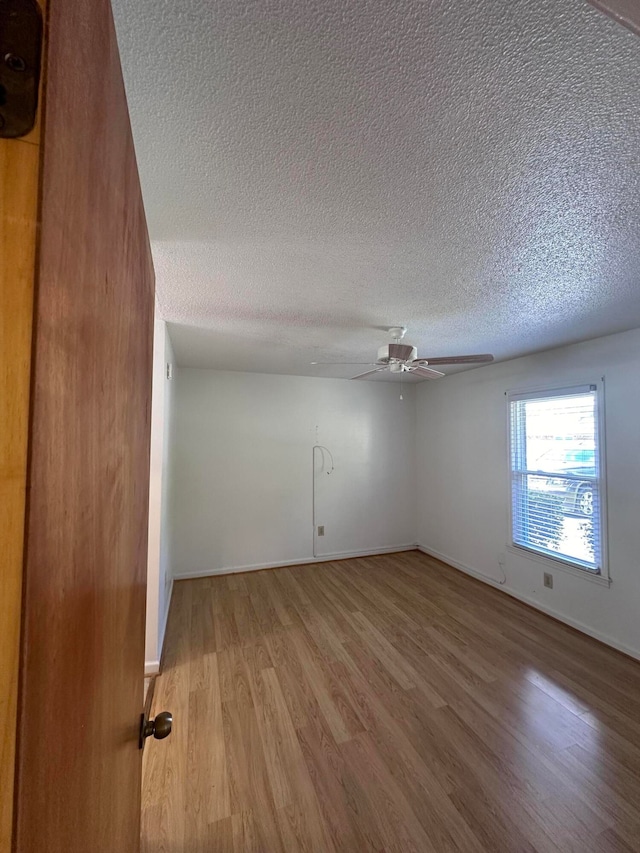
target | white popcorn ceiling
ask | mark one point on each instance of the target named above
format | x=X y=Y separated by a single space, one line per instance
x=316 y=171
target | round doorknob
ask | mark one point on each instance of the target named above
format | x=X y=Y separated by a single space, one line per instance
x=160 y=727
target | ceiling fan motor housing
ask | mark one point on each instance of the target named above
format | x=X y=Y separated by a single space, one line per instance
x=396 y=352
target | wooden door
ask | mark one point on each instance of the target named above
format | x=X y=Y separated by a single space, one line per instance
x=77 y=786
x=19 y=165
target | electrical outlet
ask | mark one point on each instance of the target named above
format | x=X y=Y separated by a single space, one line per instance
x=169 y=370
x=321 y=530
x=548 y=580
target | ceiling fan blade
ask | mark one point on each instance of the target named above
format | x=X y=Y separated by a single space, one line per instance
x=348 y=363
x=369 y=373
x=425 y=372
x=485 y=358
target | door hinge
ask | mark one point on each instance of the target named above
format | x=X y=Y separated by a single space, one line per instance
x=20 y=51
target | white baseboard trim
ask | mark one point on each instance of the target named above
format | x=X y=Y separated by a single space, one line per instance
x=430 y=552
x=151 y=667
x=303 y=561
x=532 y=602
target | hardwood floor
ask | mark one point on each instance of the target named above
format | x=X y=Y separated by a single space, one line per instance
x=387 y=704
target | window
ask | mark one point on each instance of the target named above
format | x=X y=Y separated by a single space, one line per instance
x=556 y=482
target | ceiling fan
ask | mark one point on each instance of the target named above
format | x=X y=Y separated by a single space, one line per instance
x=397 y=357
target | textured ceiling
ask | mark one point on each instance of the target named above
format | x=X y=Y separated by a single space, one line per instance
x=314 y=171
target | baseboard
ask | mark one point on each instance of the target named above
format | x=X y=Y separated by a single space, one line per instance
x=303 y=561
x=532 y=602
x=151 y=667
x=371 y=552
x=430 y=552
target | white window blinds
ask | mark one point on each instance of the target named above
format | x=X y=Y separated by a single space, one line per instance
x=555 y=475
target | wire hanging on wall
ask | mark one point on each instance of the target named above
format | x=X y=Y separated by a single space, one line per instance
x=329 y=471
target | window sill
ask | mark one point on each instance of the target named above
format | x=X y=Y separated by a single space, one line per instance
x=544 y=560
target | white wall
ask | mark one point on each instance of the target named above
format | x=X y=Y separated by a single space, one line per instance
x=159 y=576
x=242 y=469
x=463 y=487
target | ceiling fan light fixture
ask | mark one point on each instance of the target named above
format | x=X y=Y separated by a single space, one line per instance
x=403 y=358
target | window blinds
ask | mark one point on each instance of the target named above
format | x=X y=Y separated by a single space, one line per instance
x=555 y=474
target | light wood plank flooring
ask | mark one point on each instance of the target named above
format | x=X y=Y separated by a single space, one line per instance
x=387 y=704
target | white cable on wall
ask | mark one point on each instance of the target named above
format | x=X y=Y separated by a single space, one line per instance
x=322 y=449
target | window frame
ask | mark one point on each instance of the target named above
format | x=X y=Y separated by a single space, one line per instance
x=601 y=574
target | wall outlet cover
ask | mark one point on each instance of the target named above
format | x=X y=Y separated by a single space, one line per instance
x=548 y=580
x=321 y=530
